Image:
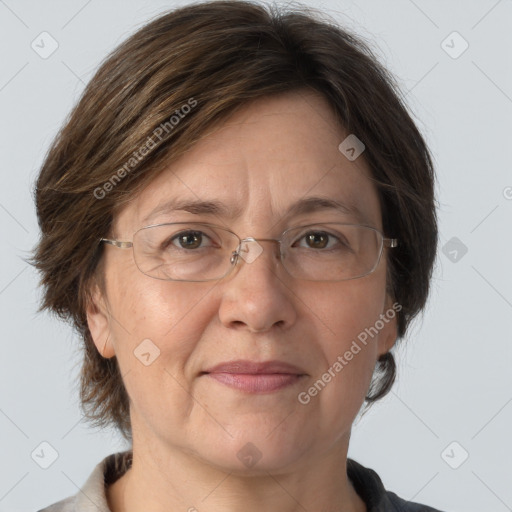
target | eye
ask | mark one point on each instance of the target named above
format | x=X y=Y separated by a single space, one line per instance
x=321 y=240
x=187 y=240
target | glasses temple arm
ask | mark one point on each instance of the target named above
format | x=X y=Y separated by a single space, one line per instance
x=117 y=243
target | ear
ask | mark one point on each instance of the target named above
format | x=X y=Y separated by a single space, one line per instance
x=389 y=333
x=98 y=320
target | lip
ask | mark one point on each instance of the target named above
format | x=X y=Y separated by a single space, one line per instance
x=243 y=366
x=256 y=383
x=256 y=377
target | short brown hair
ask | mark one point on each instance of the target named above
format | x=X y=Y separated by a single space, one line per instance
x=222 y=55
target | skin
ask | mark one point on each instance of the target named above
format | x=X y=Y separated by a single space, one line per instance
x=187 y=428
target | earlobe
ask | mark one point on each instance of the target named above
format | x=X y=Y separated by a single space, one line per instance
x=99 y=324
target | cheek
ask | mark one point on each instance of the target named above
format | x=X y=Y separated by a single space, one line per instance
x=346 y=313
x=157 y=327
x=169 y=314
x=346 y=309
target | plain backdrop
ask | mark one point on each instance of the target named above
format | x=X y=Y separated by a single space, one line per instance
x=442 y=436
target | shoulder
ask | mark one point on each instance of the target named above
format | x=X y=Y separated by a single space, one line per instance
x=369 y=486
x=401 y=505
x=65 y=505
x=92 y=495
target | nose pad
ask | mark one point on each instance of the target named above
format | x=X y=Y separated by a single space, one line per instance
x=248 y=251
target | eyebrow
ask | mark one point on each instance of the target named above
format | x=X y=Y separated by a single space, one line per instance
x=300 y=207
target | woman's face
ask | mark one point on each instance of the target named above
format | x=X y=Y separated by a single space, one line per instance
x=264 y=159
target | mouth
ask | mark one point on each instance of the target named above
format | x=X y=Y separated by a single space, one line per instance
x=256 y=383
x=256 y=377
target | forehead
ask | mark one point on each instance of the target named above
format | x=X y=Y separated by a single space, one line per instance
x=267 y=162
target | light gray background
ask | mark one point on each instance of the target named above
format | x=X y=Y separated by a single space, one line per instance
x=455 y=381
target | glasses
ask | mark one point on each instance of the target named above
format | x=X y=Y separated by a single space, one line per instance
x=197 y=252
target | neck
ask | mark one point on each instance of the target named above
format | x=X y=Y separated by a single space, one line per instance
x=181 y=481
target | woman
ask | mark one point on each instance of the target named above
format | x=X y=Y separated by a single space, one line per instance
x=239 y=218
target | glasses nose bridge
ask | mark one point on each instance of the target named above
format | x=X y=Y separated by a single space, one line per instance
x=243 y=249
x=252 y=239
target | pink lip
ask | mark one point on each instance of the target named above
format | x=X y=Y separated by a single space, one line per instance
x=256 y=383
x=254 y=377
x=253 y=367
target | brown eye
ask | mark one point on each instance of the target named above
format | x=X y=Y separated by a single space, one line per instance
x=190 y=240
x=318 y=240
x=323 y=241
x=187 y=240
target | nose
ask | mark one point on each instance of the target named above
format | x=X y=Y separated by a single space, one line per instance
x=257 y=295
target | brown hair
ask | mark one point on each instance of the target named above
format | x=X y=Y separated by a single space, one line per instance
x=221 y=55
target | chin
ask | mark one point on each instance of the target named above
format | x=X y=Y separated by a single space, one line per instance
x=253 y=454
